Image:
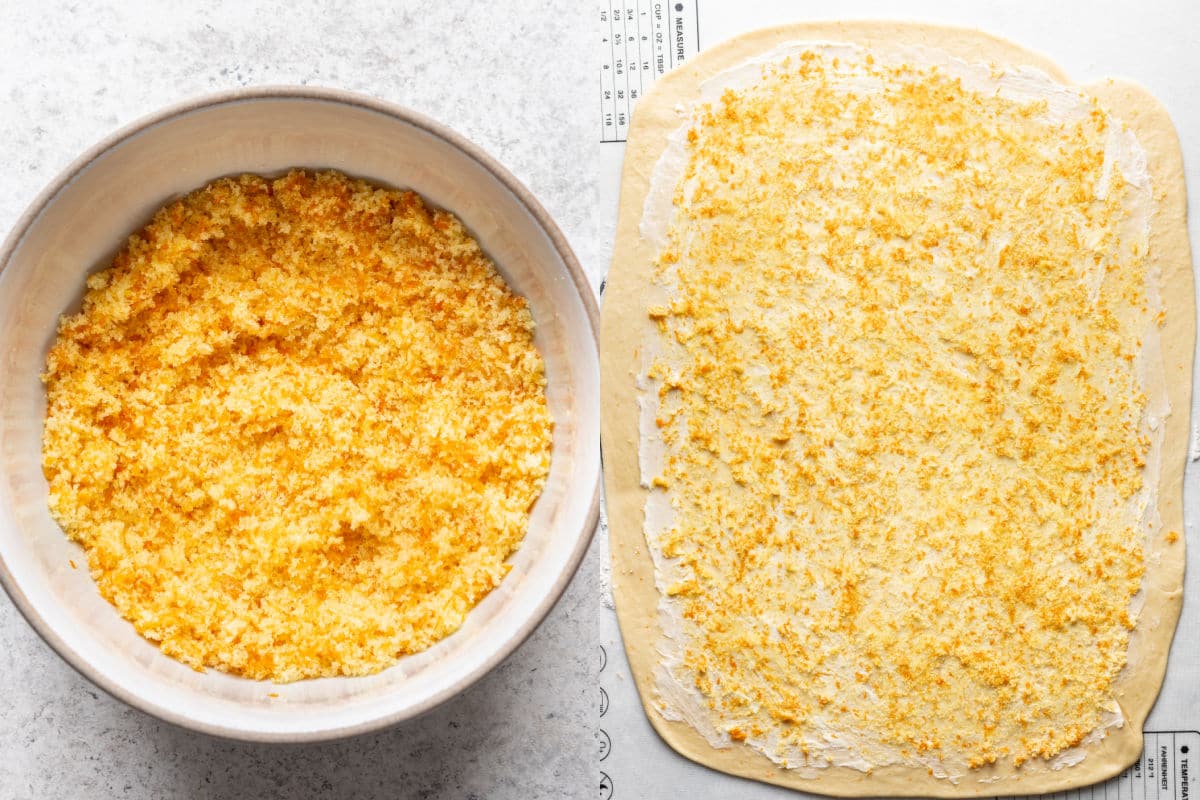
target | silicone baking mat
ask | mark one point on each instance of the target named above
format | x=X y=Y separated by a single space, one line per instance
x=640 y=40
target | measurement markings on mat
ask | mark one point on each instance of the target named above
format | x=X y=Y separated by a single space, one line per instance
x=606 y=786
x=640 y=40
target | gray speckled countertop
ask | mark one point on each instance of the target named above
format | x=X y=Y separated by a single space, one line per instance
x=504 y=74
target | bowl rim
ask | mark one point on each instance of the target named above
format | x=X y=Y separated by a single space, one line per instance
x=560 y=244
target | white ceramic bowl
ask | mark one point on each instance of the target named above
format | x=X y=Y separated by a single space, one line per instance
x=76 y=225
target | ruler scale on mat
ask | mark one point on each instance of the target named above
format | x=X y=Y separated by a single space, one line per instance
x=640 y=40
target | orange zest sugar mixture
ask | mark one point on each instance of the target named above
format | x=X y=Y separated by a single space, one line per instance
x=298 y=426
x=902 y=418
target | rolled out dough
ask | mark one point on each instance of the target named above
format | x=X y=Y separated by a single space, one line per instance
x=625 y=326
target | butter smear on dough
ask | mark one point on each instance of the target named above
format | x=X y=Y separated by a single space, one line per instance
x=900 y=411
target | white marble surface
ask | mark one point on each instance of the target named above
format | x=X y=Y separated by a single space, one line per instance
x=503 y=74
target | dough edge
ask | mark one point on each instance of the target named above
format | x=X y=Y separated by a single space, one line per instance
x=624 y=323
